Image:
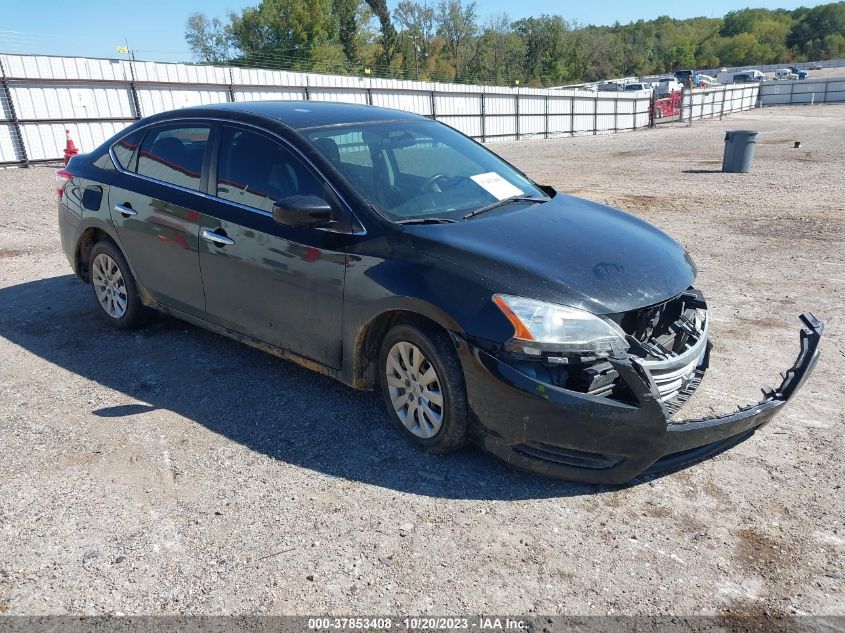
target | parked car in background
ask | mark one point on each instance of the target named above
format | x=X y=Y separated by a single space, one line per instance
x=634 y=87
x=816 y=66
x=667 y=85
x=684 y=76
x=802 y=74
x=392 y=252
x=749 y=77
x=784 y=74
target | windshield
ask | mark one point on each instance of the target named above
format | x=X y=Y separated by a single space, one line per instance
x=419 y=169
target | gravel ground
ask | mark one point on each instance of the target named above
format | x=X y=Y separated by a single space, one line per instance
x=174 y=471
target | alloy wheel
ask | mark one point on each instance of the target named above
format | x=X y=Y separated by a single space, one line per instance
x=109 y=286
x=414 y=389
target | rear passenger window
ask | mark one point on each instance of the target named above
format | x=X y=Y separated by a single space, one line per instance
x=174 y=155
x=125 y=148
x=256 y=171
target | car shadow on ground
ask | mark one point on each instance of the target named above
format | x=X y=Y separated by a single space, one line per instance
x=271 y=406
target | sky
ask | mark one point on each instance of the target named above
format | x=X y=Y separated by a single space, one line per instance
x=156 y=28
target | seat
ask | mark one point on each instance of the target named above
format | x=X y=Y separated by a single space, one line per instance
x=328 y=148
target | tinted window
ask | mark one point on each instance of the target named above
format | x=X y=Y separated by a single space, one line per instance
x=125 y=148
x=256 y=171
x=174 y=155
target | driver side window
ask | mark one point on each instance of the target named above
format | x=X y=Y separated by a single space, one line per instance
x=256 y=171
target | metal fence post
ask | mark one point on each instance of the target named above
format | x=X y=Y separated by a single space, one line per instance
x=596 y=115
x=572 y=115
x=483 y=118
x=136 y=103
x=652 y=101
x=691 y=104
x=13 y=117
x=231 y=85
x=791 y=91
x=722 y=111
x=616 y=112
x=433 y=106
x=546 y=116
x=826 y=83
x=307 y=89
x=516 y=108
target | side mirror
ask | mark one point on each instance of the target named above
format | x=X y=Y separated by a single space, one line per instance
x=302 y=211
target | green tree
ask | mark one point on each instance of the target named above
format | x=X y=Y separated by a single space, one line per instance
x=543 y=45
x=346 y=14
x=209 y=40
x=389 y=36
x=813 y=35
x=457 y=24
x=283 y=30
x=417 y=23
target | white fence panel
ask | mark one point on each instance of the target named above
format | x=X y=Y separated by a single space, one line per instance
x=269 y=94
x=469 y=125
x=44 y=67
x=462 y=104
x=157 y=72
x=71 y=101
x=339 y=95
x=418 y=102
x=262 y=77
x=44 y=141
x=532 y=125
x=8 y=144
x=155 y=100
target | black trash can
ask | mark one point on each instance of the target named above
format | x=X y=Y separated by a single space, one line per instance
x=739 y=151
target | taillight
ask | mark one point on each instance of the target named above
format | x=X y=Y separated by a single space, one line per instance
x=63 y=177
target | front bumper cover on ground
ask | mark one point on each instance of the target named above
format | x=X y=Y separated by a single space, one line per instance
x=571 y=435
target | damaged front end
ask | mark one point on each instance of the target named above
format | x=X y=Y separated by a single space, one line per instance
x=607 y=418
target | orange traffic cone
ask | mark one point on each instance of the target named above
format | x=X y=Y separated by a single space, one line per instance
x=70 y=149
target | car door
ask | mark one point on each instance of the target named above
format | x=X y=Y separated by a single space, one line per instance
x=155 y=204
x=279 y=284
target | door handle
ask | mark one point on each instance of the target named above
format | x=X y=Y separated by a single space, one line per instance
x=125 y=210
x=216 y=238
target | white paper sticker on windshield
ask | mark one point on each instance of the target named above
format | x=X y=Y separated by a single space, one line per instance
x=496 y=186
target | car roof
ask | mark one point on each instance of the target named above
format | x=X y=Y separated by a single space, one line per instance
x=301 y=115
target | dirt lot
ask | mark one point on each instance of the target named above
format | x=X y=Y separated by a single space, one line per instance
x=174 y=471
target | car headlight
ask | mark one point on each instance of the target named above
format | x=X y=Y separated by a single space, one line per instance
x=548 y=327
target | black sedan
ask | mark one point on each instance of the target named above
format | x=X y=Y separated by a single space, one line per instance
x=390 y=251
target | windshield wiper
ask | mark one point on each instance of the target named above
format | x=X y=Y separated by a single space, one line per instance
x=503 y=202
x=426 y=221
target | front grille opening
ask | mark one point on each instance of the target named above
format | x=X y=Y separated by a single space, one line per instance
x=666 y=329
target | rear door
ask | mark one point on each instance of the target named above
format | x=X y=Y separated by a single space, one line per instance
x=278 y=284
x=155 y=206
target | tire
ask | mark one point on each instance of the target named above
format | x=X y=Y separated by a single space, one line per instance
x=114 y=287
x=420 y=401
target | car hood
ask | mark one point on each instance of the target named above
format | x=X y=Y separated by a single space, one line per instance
x=568 y=251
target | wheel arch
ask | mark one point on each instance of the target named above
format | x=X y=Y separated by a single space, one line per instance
x=87 y=239
x=367 y=341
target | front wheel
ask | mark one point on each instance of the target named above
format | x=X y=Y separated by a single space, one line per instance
x=423 y=387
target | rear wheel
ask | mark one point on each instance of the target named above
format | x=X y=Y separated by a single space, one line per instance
x=114 y=287
x=423 y=387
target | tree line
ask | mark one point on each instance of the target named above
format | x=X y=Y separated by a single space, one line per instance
x=451 y=41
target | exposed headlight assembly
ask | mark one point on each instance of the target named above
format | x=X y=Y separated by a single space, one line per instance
x=542 y=327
